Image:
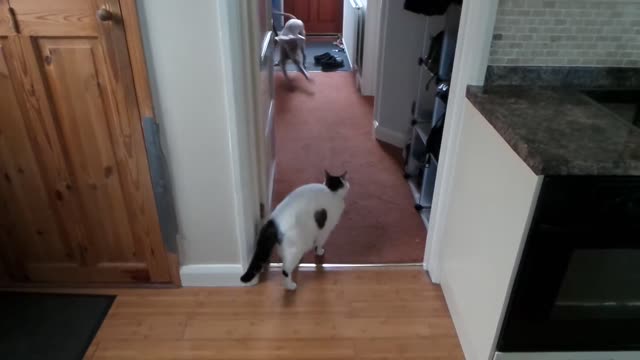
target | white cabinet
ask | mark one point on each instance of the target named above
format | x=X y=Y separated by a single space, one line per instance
x=493 y=196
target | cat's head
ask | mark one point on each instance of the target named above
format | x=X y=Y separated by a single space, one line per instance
x=337 y=184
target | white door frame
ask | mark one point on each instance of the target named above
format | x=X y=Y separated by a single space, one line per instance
x=472 y=56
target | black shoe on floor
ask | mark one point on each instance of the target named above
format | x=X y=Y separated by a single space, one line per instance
x=325 y=56
x=332 y=64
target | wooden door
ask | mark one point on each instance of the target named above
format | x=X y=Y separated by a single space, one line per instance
x=76 y=199
x=319 y=16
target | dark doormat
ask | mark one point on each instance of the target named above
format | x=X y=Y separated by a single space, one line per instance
x=49 y=326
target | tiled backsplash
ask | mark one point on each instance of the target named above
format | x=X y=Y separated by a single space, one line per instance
x=567 y=33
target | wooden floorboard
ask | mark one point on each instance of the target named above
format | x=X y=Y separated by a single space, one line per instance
x=359 y=314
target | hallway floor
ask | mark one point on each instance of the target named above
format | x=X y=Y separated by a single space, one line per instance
x=373 y=314
x=327 y=124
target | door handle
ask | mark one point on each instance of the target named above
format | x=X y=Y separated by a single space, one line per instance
x=103 y=14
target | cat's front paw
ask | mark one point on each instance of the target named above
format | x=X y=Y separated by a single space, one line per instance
x=319 y=251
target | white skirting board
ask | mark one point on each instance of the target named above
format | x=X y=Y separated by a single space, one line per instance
x=215 y=275
x=388 y=136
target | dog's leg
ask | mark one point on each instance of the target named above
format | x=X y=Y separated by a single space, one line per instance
x=283 y=65
x=301 y=69
x=304 y=56
x=296 y=57
x=284 y=57
x=303 y=48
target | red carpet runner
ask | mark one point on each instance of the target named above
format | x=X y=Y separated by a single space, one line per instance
x=328 y=125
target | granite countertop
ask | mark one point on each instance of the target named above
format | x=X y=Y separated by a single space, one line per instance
x=560 y=131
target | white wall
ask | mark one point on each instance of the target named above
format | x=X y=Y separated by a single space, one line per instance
x=401 y=42
x=184 y=47
x=372 y=28
x=349 y=31
x=368 y=75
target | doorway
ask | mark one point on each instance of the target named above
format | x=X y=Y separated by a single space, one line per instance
x=472 y=53
x=323 y=26
x=328 y=124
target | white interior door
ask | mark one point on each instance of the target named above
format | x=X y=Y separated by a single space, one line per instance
x=265 y=106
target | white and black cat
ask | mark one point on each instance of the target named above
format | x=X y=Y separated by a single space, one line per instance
x=301 y=222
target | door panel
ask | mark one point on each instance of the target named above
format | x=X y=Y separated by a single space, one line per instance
x=74 y=69
x=27 y=221
x=56 y=17
x=300 y=9
x=329 y=12
x=81 y=118
x=319 y=16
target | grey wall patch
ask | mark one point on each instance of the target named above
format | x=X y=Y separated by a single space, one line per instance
x=161 y=184
x=321 y=218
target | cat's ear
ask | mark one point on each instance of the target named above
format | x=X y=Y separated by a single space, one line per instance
x=344 y=175
x=327 y=175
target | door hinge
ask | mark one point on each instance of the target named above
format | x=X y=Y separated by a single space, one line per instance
x=261 y=210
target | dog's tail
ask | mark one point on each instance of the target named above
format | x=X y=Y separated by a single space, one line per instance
x=290 y=16
x=267 y=239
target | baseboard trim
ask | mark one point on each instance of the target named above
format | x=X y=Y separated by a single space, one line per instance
x=388 y=136
x=215 y=275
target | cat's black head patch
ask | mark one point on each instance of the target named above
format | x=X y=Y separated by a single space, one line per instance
x=334 y=183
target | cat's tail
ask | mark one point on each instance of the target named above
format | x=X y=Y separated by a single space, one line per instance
x=290 y=16
x=267 y=239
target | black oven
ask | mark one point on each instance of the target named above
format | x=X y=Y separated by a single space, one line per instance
x=577 y=287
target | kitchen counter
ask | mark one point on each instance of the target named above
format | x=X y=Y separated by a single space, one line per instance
x=518 y=146
x=559 y=131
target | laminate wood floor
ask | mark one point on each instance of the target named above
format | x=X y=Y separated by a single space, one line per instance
x=355 y=314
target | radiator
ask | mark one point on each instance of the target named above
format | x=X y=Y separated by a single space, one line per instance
x=353 y=32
